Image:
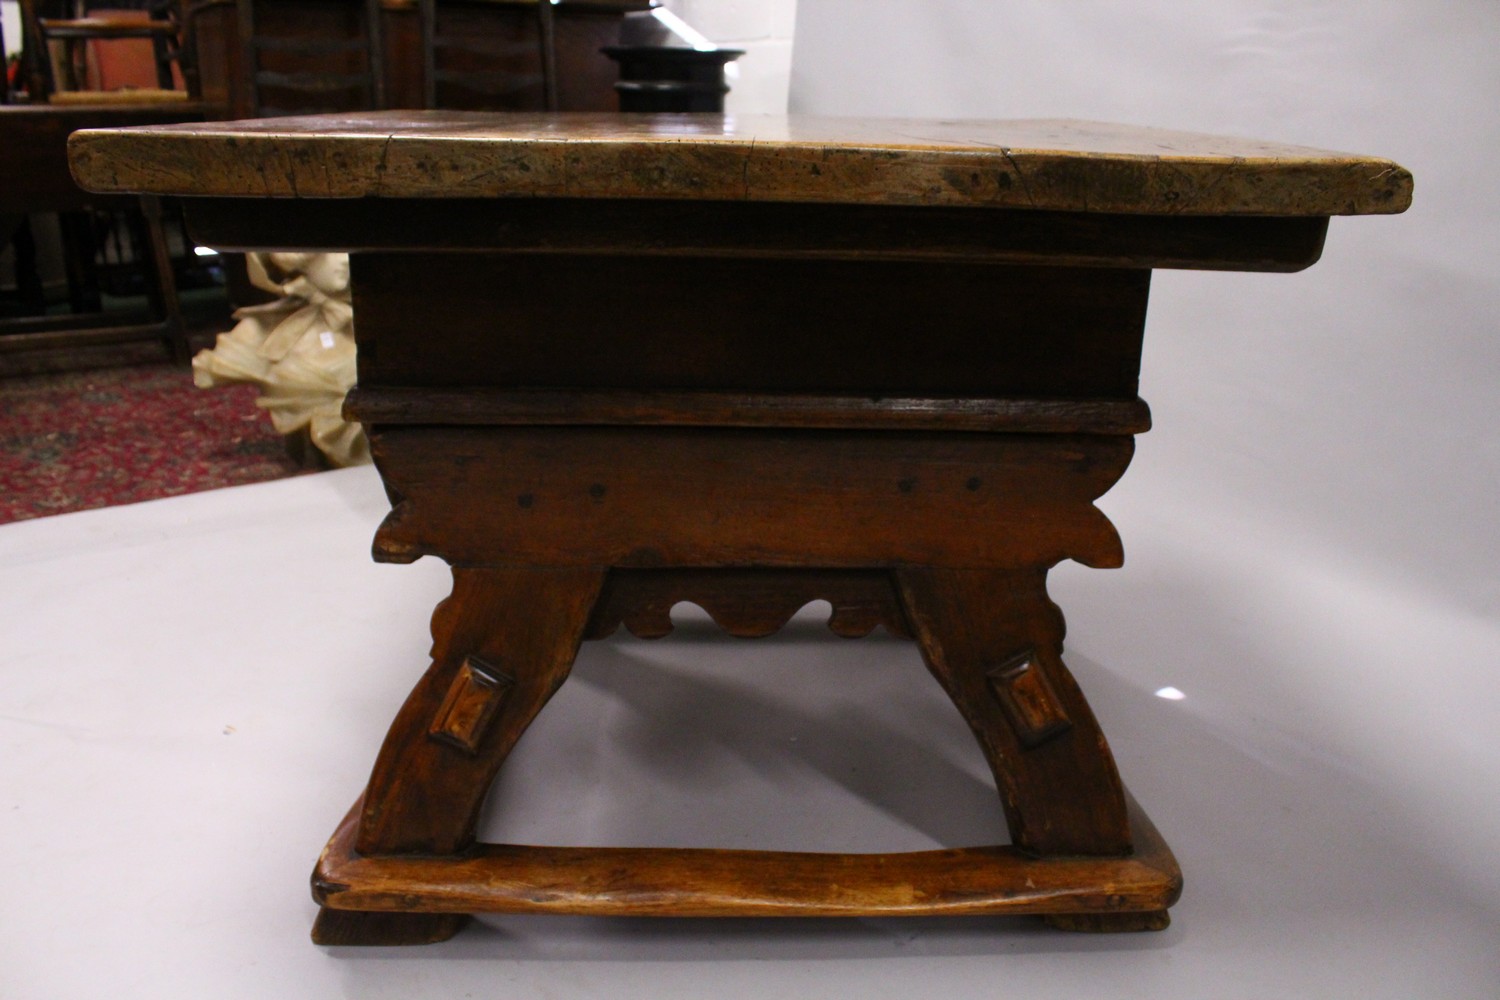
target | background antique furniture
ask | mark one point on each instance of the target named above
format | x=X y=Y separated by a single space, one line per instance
x=282 y=57
x=313 y=57
x=439 y=38
x=513 y=55
x=485 y=53
x=158 y=23
x=33 y=139
x=276 y=57
x=659 y=78
x=79 y=36
x=33 y=142
x=598 y=474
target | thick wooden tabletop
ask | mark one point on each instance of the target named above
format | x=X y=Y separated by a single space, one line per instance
x=1056 y=165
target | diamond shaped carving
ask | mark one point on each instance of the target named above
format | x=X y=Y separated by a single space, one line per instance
x=472 y=702
x=1028 y=700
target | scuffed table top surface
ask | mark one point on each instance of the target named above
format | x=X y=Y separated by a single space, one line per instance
x=1042 y=164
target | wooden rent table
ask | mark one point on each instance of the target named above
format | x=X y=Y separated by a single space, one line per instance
x=609 y=363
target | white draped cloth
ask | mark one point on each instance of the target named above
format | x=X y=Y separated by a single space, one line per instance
x=298 y=349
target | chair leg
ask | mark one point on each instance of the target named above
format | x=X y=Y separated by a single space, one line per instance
x=547 y=43
x=163 y=292
x=28 y=278
x=79 y=249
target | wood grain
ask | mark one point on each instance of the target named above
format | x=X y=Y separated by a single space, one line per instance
x=425 y=793
x=393 y=405
x=1049 y=165
x=1061 y=791
x=644 y=882
x=655 y=497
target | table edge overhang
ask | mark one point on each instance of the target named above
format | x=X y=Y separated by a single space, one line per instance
x=234 y=160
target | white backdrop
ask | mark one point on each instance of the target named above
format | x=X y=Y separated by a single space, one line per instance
x=1312 y=529
x=1353 y=406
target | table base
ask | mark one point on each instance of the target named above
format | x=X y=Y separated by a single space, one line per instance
x=363 y=898
x=405 y=865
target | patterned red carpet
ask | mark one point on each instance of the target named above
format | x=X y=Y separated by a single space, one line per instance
x=115 y=435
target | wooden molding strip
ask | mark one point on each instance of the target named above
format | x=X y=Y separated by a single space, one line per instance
x=626 y=881
x=611 y=407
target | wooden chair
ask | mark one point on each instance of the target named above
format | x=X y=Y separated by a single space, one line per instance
x=484 y=63
x=68 y=78
x=305 y=58
x=33 y=159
